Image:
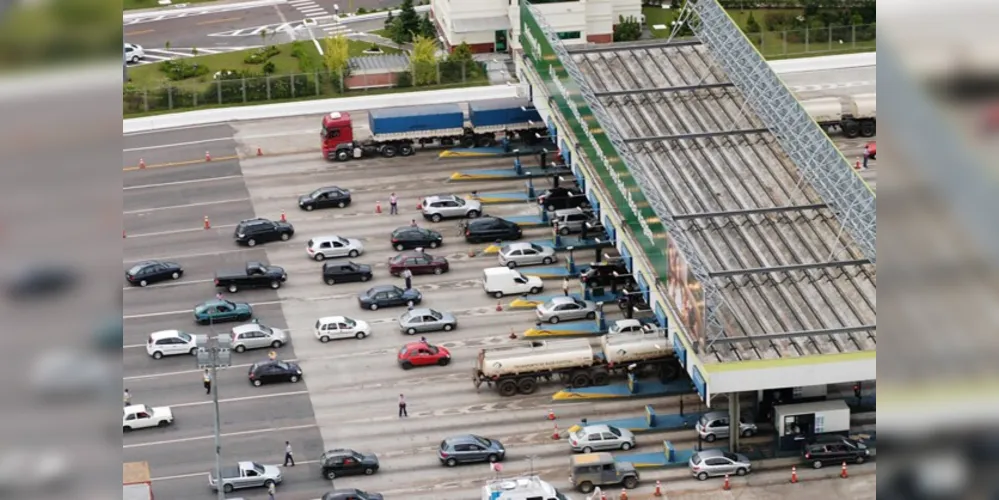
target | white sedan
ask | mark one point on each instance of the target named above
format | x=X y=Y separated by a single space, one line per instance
x=142 y=416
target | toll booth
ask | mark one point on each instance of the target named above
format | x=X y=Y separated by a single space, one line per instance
x=767 y=399
x=796 y=424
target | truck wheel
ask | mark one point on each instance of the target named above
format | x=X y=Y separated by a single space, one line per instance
x=233 y=288
x=868 y=128
x=585 y=487
x=468 y=142
x=406 y=150
x=527 y=385
x=342 y=155
x=851 y=129
x=275 y=285
x=580 y=380
x=227 y=488
x=600 y=378
x=389 y=151
x=506 y=388
x=631 y=482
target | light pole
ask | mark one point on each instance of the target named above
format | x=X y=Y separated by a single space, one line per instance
x=213 y=353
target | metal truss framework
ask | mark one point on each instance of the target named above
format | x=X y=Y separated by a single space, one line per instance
x=821 y=164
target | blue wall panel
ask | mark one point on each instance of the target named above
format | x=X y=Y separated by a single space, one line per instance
x=681 y=352
x=626 y=256
x=660 y=315
x=700 y=384
x=643 y=285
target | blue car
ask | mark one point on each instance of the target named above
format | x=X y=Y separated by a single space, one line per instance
x=221 y=311
x=388 y=296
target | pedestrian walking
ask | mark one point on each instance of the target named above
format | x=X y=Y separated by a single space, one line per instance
x=565 y=286
x=867 y=155
x=393 y=204
x=271 y=490
x=408 y=276
x=127 y=397
x=289 y=460
x=218 y=296
x=412 y=223
x=583 y=230
x=208 y=381
x=424 y=340
x=402 y=407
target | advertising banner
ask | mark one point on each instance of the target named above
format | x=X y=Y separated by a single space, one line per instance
x=685 y=292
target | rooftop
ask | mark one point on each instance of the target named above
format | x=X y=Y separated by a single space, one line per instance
x=792 y=280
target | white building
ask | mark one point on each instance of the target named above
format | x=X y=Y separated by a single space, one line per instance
x=494 y=25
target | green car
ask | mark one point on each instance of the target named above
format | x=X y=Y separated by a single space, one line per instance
x=221 y=311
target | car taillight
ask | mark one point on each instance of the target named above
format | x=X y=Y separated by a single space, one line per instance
x=573 y=442
x=468 y=232
x=444 y=455
x=395 y=240
x=310 y=250
x=251 y=376
x=216 y=282
x=808 y=455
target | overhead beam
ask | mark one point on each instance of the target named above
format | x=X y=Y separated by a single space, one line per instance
x=784 y=269
x=749 y=211
x=792 y=335
x=698 y=135
x=681 y=88
x=617 y=47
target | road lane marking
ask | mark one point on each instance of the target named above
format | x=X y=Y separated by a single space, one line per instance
x=186 y=372
x=188 y=205
x=181 y=183
x=201 y=474
x=176 y=144
x=179 y=231
x=180 y=163
x=166 y=285
x=140 y=32
x=218 y=21
x=212 y=436
x=237 y=400
x=196 y=255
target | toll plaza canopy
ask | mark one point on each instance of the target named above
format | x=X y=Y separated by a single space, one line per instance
x=763 y=250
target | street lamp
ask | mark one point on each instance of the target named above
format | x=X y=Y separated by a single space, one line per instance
x=213 y=353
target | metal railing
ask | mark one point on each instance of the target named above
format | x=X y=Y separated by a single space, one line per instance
x=828 y=40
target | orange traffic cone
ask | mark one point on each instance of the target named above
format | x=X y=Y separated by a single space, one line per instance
x=260 y=152
x=624 y=494
x=378 y=207
x=842 y=471
x=471 y=252
x=142 y=163
x=726 y=485
x=551 y=414
x=659 y=489
x=208 y=156
x=419 y=205
x=283 y=218
x=499 y=306
x=856 y=166
x=555 y=436
x=208 y=225
x=794 y=474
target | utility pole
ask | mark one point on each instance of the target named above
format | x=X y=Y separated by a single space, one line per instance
x=213 y=353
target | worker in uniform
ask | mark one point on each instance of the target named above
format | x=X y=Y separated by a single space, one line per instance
x=127 y=397
x=402 y=406
x=207 y=378
x=408 y=276
x=393 y=204
x=565 y=286
x=271 y=490
x=289 y=460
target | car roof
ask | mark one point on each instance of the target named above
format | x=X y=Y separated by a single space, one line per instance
x=255 y=220
x=462 y=438
x=326 y=237
x=563 y=300
x=248 y=327
x=711 y=453
x=341 y=451
x=164 y=334
x=519 y=245
x=569 y=211
x=382 y=288
x=215 y=302
x=597 y=428
x=592 y=458
x=422 y=311
x=332 y=319
x=716 y=414
x=442 y=197
x=418 y=343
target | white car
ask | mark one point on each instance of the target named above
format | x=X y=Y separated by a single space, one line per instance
x=257 y=336
x=134 y=53
x=141 y=416
x=327 y=247
x=341 y=327
x=171 y=343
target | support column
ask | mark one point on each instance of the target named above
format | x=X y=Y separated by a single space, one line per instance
x=733 y=422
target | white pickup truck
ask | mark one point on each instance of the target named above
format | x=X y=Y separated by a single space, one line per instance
x=246 y=475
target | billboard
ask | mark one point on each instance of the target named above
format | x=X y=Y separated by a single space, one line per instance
x=685 y=292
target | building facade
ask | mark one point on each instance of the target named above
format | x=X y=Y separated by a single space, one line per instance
x=494 y=25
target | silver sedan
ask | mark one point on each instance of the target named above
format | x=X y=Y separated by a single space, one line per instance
x=565 y=309
x=426 y=320
x=525 y=254
x=709 y=463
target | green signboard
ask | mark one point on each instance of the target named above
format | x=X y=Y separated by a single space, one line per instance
x=610 y=168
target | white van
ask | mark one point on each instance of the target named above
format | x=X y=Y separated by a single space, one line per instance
x=500 y=281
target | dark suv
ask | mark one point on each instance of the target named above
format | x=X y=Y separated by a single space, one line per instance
x=491 y=229
x=835 y=450
x=346 y=462
x=252 y=231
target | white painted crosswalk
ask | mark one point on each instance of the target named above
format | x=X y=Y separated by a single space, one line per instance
x=158 y=55
x=309 y=8
x=326 y=29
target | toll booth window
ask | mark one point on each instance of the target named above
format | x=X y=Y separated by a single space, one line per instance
x=791 y=426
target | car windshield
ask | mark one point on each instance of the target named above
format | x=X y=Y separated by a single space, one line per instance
x=341 y=240
x=266 y=329
x=136 y=268
x=433 y=349
x=483 y=441
x=695 y=458
x=459 y=201
x=282 y=365
x=537 y=248
x=186 y=337
x=316 y=193
x=259 y=468
x=614 y=430
x=731 y=456
x=436 y=314
x=505 y=250
x=560 y=496
x=349 y=322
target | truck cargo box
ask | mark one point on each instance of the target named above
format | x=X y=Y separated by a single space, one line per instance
x=864 y=106
x=635 y=346
x=509 y=111
x=824 y=110
x=536 y=356
x=415 y=119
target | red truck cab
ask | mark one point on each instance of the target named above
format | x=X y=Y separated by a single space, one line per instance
x=337 y=135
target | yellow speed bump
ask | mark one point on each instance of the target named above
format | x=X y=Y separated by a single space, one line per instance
x=491 y=250
x=522 y=303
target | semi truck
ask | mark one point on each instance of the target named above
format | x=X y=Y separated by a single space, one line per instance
x=400 y=131
x=853 y=116
x=521 y=367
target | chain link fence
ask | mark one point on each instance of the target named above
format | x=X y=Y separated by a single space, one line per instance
x=827 y=40
x=239 y=89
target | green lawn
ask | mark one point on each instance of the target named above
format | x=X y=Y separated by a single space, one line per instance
x=151 y=4
x=382 y=33
x=150 y=76
x=773 y=44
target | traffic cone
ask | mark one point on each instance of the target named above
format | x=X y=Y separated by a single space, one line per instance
x=842 y=471
x=142 y=163
x=551 y=414
x=513 y=334
x=419 y=204
x=208 y=225
x=555 y=436
x=856 y=166
x=471 y=252
x=726 y=485
x=208 y=156
x=260 y=152
x=794 y=474
x=624 y=494
x=603 y=496
x=378 y=207
x=659 y=489
x=499 y=306
x=123 y=234
x=283 y=218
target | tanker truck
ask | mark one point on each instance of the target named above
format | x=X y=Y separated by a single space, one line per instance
x=521 y=367
x=853 y=116
x=400 y=130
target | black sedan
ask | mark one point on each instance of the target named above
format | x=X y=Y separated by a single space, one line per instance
x=388 y=296
x=153 y=271
x=412 y=237
x=273 y=371
x=343 y=272
x=324 y=197
x=561 y=198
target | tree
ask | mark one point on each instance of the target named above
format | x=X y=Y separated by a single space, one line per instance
x=407 y=24
x=389 y=22
x=427 y=28
x=460 y=65
x=336 y=55
x=423 y=61
x=627 y=29
x=751 y=25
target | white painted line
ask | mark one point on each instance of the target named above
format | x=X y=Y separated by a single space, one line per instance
x=180 y=183
x=189 y=205
x=189 y=311
x=194 y=255
x=257 y=31
x=167 y=285
x=178 y=231
x=296 y=3
x=154 y=56
x=310 y=10
x=182 y=372
x=227 y=434
x=238 y=400
x=201 y=474
x=175 y=53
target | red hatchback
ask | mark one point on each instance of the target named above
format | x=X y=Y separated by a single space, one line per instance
x=417 y=263
x=423 y=354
